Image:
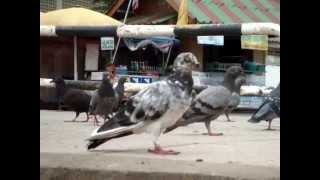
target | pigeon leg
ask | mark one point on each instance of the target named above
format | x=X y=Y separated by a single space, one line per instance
x=95 y=121
x=207 y=123
x=227 y=115
x=159 y=151
x=74 y=119
x=269 y=126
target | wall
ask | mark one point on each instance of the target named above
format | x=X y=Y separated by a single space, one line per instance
x=259 y=56
x=57 y=57
x=190 y=44
x=149 y=7
x=273 y=60
x=272 y=70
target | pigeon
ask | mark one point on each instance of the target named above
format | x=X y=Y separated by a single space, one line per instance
x=119 y=92
x=75 y=99
x=269 y=109
x=153 y=109
x=211 y=102
x=103 y=100
x=235 y=98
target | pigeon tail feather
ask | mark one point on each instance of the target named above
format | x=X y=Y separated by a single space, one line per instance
x=98 y=138
x=95 y=143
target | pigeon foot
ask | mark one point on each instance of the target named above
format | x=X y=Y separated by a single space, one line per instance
x=230 y=121
x=269 y=129
x=213 y=134
x=70 y=121
x=159 y=151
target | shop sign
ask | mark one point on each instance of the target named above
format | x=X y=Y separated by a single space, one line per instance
x=107 y=43
x=145 y=80
x=212 y=40
x=254 y=42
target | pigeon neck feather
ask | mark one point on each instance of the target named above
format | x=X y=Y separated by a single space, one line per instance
x=182 y=79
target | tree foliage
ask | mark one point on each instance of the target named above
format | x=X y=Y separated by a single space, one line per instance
x=102 y=5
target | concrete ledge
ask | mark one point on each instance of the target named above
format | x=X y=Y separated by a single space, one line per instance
x=93 y=165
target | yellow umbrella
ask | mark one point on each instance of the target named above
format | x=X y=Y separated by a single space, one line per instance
x=76 y=17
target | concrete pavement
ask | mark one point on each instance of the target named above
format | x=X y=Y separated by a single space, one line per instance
x=245 y=150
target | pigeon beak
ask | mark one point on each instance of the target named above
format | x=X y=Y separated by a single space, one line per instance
x=196 y=63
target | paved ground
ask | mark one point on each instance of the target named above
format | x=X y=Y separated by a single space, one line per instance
x=243 y=143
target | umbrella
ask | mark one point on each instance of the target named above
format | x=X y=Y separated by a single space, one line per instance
x=76 y=17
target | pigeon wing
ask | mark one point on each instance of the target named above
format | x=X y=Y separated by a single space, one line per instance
x=148 y=104
x=151 y=103
x=211 y=102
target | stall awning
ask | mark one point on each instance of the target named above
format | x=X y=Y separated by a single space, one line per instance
x=232 y=11
x=161 y=43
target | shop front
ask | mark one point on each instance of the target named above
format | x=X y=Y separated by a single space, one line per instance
x=144 y=60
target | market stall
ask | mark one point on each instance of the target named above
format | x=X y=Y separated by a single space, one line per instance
x=144 y=60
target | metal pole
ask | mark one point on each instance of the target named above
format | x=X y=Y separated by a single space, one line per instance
x=143 y=31
x=168 y=57
x=75 y=58
x=124 y=22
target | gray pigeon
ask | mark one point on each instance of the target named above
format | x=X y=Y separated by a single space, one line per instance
x=103 y=100
x=211 y=102
x=269 y=109
x=74 y=99
x=235 y=98
x=108 y=100
x=119 y=92
x=153 y=109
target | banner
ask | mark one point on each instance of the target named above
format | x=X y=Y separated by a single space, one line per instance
x=107 y=43
x=254 y=42
x=213 y=40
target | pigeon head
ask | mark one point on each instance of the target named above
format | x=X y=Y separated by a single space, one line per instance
x=105 y=77
x=234 y=72
x=184 y=62
x=234 y=78
x=123 y=79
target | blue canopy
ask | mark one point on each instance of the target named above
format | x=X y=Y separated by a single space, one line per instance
x=160 y=42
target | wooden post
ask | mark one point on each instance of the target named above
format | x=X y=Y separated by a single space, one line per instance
x=75 y=57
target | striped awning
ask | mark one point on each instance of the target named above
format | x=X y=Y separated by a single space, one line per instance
x=233 y=11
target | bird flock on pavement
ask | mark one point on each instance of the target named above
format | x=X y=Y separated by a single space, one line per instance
x=163 y=106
